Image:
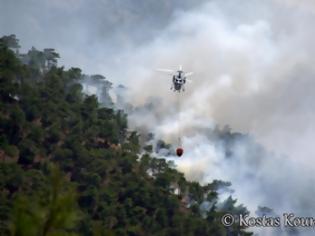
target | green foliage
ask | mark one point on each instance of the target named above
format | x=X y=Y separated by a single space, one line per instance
x=10 y=41
x=52 y=211
x=11 y=150
x=70 y=167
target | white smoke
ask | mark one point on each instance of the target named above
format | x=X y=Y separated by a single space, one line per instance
x=253 y=64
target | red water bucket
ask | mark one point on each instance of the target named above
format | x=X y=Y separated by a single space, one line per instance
x=179 y=151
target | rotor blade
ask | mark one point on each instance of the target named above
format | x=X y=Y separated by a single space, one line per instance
x=189 y=74
x=166 y=71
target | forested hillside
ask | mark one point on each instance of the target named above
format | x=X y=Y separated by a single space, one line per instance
x=70 y=166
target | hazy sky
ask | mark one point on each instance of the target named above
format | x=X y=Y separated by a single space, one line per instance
x=89 y=34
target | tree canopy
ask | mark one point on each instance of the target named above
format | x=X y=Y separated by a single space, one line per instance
x=69 y=166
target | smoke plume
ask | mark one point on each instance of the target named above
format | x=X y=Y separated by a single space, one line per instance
x=253 y=71
x=253 y=64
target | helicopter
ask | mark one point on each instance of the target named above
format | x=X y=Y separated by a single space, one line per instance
x=179 y=78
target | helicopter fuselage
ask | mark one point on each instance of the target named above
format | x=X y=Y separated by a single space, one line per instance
x=178 y=81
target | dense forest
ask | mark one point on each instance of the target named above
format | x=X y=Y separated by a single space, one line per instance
x=70 y=166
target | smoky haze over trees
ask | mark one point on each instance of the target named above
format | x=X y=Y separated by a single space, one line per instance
x=254 y=68
x=112 y=26
x=70 y=166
